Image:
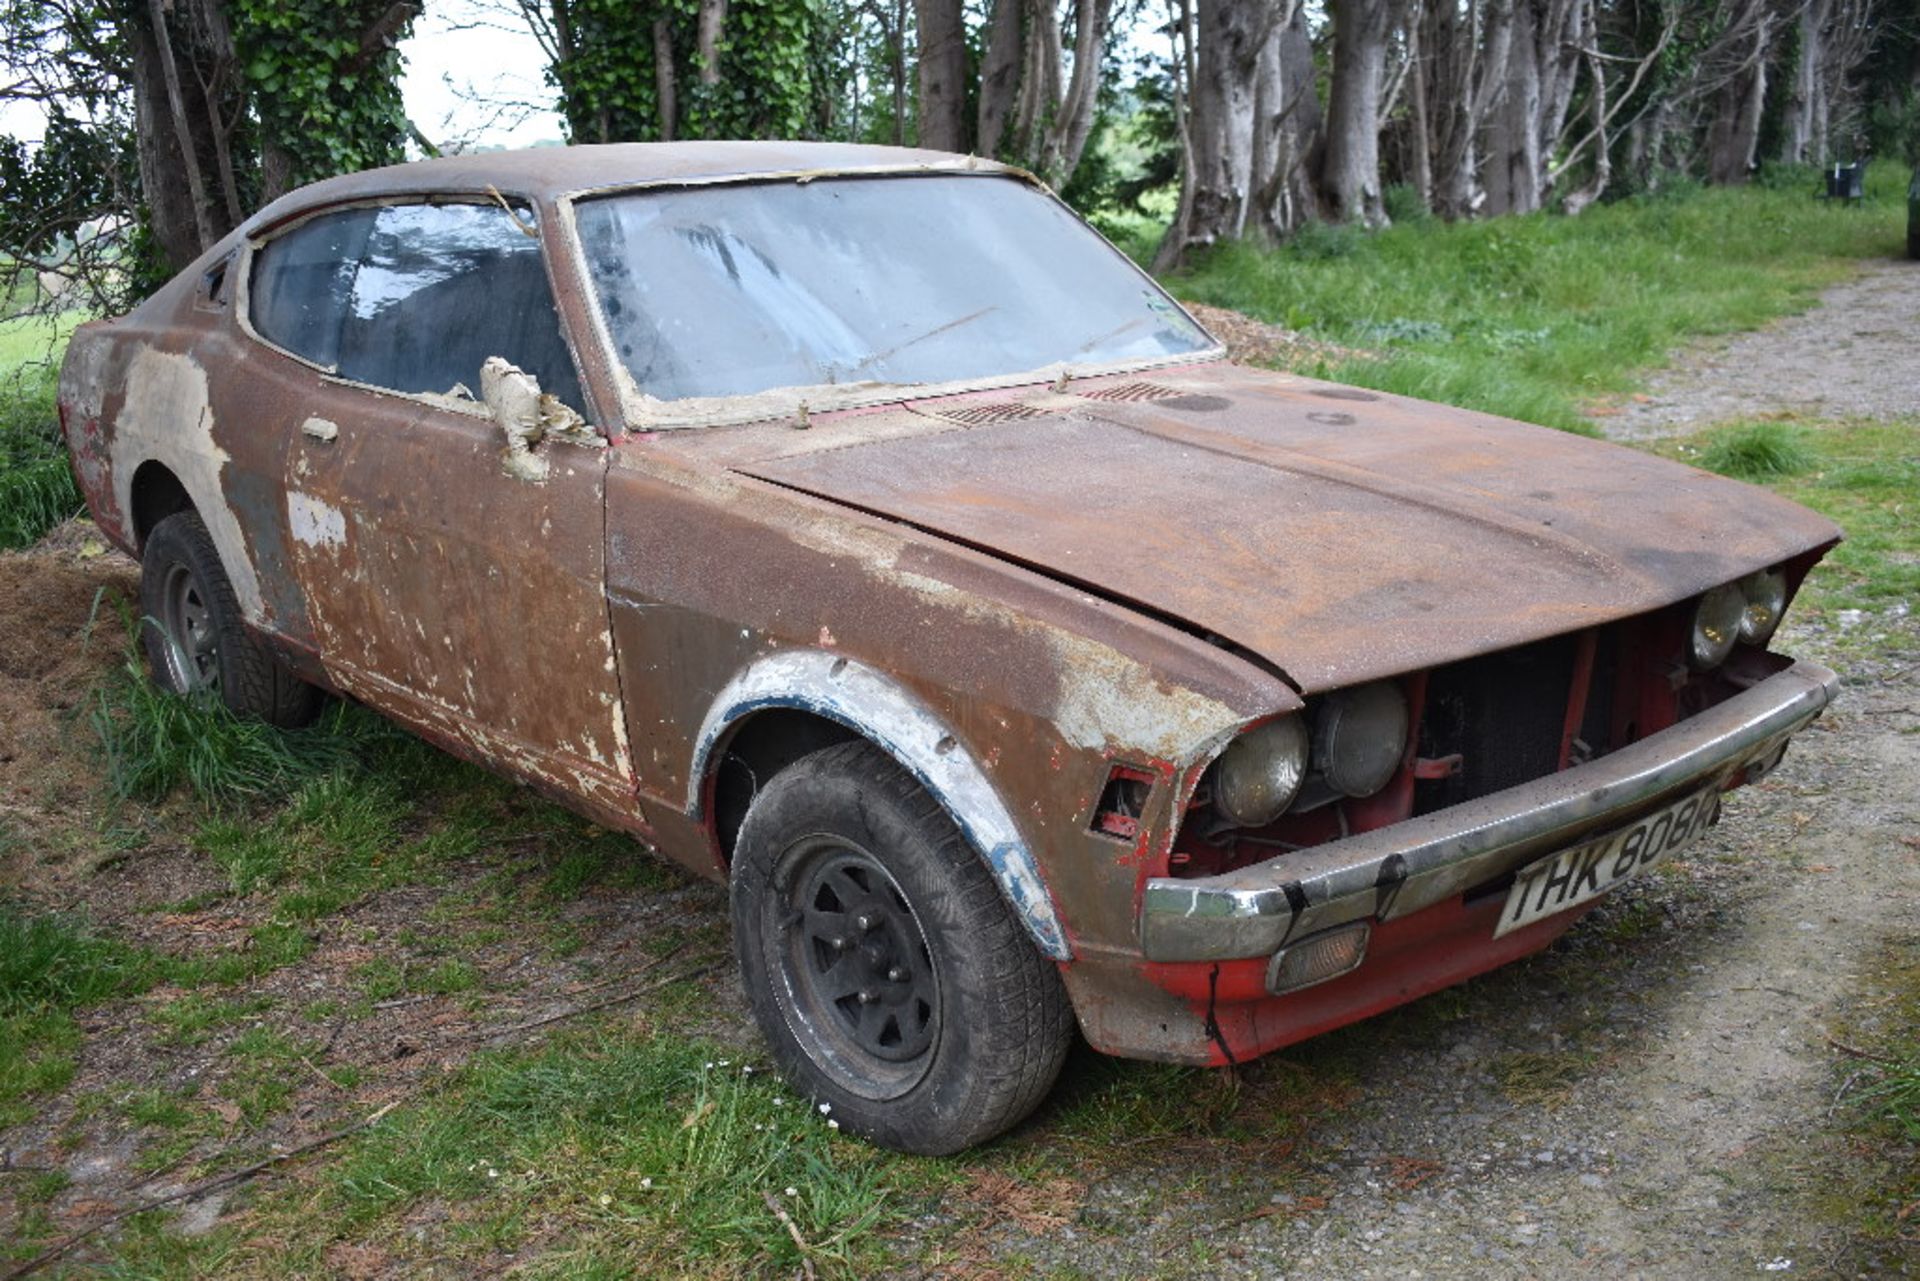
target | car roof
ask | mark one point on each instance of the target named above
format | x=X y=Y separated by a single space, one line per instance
x=546 y=172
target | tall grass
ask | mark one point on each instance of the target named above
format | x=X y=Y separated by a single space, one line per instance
x=1534 y=316
x=156 y=743
x=1758 y=451
x=36 y=485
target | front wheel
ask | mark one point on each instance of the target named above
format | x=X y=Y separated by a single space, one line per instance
x=882 y=965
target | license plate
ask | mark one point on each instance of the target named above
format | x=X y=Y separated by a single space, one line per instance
x=1585 y=872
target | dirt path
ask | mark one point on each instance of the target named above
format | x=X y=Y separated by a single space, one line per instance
x=1853 y=356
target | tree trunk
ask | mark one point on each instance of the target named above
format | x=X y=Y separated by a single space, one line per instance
x=999 y=75
x=665 y=82
x=1350 y=176
x=1736 y=125
x=942 y=74
x=1287 y=137
x=709 y=28
x=1072 y=121
x=183 y=131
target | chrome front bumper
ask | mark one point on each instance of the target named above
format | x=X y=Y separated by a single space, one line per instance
x=1397 y=870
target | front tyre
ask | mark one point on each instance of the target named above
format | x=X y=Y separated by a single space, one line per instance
x=881 y=963
x=194 y=634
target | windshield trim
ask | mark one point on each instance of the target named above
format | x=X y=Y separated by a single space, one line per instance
x=643 y=412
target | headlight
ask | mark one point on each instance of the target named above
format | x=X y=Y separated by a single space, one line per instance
x=1716 y=626
x=1766 y=597
x=1360 y=737
x=1258 y=775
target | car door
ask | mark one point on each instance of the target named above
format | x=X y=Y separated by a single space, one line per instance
x=467 y=602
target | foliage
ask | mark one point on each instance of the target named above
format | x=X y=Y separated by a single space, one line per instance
x=156 y=743
x=315 y=94
x=36 y=484
x=609 y=87
x=1758 y=451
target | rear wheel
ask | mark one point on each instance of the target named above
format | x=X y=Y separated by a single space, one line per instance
x=890 y=980
x=194 y=635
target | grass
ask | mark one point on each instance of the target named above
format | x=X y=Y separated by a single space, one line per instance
x=659 y=1151
x=1758 y=451
x=156 y=744
x=51 y=966
x=36 y=486
x=1535 y=317
x=1865 y=476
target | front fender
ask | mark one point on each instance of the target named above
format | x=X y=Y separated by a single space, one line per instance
x=880 y=710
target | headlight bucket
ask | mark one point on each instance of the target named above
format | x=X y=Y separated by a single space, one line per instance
x=1360 y=737
x=1260 y=773
x=1716 y=626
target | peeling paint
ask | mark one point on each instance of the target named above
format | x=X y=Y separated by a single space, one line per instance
x=166 y=418
x=315 y=523
x=869 y=703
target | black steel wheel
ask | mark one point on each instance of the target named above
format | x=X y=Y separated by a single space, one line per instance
x=892 y=983
x=195 y=637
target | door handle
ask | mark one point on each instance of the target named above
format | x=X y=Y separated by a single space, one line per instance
x=320 y=429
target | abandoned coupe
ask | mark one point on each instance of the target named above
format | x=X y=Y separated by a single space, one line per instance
x=856 y=526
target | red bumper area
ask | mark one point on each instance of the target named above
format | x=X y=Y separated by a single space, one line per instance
x=1219 y=1012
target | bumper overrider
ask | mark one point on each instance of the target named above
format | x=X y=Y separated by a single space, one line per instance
x=1395 y=871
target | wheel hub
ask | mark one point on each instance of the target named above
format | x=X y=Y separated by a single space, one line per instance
x=864 y=969
x=187 y=625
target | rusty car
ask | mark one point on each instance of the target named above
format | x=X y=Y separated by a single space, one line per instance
x=856 y=527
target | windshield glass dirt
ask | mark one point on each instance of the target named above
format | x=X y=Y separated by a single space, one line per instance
x=732 y=290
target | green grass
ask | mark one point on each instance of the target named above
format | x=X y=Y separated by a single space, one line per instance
x=657 y=1150
x=36 y=485
x=1758 y=451
x=1865 y=476
x=1534 y=317
x=50 y=966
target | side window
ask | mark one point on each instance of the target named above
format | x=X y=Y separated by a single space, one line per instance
x=413 y=298
x=301 y=281
x=440 y=289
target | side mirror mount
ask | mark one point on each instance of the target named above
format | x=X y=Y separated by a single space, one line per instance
x=529 y=417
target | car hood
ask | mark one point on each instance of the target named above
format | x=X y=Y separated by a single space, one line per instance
x=1341 y=535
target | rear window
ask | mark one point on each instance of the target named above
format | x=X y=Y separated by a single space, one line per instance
x=414 y=298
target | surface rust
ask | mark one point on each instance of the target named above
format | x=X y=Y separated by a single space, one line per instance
x=1121 y=571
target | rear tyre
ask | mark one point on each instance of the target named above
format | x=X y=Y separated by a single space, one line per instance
x=893 y=986
x=194 y=634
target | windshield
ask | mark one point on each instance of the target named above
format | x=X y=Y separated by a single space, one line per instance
x=737 y=289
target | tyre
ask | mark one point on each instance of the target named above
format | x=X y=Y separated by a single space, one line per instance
x=893 y=985
x=193 y=633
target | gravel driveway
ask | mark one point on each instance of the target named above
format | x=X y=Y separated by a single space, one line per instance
x=1850 y=357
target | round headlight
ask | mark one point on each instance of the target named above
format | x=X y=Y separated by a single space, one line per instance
x=1360 y=737
x=1716 y=626
x=1256 y=778
x=1766 y=596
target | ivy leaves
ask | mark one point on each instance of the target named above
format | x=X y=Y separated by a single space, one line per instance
x=330 y=105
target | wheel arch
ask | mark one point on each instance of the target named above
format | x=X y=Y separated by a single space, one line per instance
x=155 y=494
x=831 y=697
